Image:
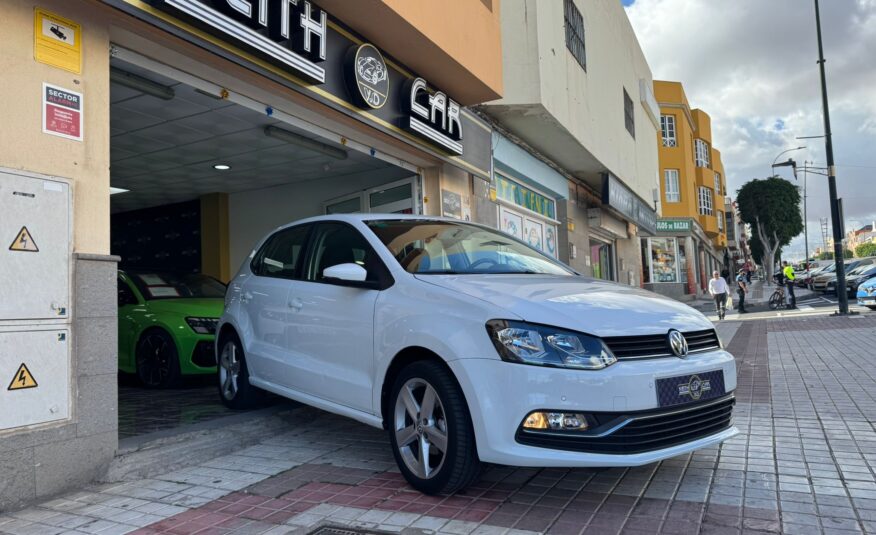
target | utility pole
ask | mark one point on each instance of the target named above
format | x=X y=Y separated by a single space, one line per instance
x=805 y=222
x=842 y=295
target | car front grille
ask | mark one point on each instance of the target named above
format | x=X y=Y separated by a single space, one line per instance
x=657 y=345
x=639 y=432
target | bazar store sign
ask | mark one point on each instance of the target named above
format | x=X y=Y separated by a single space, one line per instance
x=673 y=225
x=616 y=195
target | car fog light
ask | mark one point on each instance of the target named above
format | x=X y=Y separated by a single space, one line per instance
x=556 y=421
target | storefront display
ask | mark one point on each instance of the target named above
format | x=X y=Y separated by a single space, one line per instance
x=664 y=264
x=527 y=215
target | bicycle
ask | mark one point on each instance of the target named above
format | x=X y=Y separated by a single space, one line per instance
x=777 y=299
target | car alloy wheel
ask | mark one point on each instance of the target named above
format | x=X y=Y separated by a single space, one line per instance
x=420 y=427
x=229 y=370
x=157 y=361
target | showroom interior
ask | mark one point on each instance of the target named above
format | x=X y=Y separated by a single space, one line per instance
x=197 y=178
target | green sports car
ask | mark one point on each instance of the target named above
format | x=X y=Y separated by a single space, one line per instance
x=167 y=325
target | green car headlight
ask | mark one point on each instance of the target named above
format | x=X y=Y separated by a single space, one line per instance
x=541 y=345
x=203 y=325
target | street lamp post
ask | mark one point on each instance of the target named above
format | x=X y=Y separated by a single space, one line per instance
x=842 y=296
x=793 y=165
x=786 y=151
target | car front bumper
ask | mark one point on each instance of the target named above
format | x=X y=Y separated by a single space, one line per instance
x=501 y=394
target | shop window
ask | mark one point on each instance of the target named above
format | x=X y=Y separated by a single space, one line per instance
x=531 y=216
x=702 y=153
x=705 y=201
x=667 y=128
x=664 y=260
x=629 y=114
x=673 y=188
x=601 y=261
x=574 y=24
x=682 y=262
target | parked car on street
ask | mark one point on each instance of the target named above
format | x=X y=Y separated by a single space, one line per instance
x=167 y=325
x=469 y=346
x=858 y=276
x=826 y=282
x=867 y=294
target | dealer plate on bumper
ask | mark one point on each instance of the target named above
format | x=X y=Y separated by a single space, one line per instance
x=690 y=388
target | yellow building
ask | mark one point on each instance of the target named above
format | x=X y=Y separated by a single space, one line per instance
x=692 y=234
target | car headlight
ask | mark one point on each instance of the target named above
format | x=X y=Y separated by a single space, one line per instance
x=540 y=345
x=203 y=325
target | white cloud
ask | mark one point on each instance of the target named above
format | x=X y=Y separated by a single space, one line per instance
x=751 y=65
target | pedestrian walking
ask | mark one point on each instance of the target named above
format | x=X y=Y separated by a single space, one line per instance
x=788 y=273
x=747 y=268
x=741 y=289
x=718 y=291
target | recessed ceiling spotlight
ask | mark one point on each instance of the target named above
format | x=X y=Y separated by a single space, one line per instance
x=222 y=167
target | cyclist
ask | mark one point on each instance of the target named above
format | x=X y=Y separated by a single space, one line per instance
x=789 y=276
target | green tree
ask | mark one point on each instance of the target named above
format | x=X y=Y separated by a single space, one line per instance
x=772 y=207
x=865 y=249
x=828 y=255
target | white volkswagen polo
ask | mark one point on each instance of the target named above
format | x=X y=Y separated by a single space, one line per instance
x=469 y=346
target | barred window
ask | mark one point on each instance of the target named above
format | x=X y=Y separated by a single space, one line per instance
x=673 y=192
x=705 y=198
x=702 y=153
x=629 y=114
x=574 y=23
x=667 y=127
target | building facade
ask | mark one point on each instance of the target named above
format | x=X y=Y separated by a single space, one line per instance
x=173 y=135
x=693 y=190
x=575 y=130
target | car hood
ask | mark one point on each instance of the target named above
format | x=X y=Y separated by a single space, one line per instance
x=577 y=303
x=202 y=308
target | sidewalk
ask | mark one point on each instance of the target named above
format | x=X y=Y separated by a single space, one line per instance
x=804 y=462
x=759 y=294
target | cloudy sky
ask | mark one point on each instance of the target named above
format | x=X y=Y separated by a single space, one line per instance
x=751 y=65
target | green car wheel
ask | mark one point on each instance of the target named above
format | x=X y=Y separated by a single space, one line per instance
x=157 y=360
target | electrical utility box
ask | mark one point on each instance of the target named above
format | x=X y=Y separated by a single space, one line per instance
x=35 y=329
x=34 y=248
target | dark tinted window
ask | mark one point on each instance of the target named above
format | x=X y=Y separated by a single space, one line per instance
x=176 y=285
x=280 y=256
x=125 y=294
x=629 y=114
x=339 y=243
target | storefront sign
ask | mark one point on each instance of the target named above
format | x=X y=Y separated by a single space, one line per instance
x=367 y=76
x=618 y=196
x=292 y=32
x=673 y=225
x=57 y=41
x=62 y=112
x=433 y=116
x=525 y=197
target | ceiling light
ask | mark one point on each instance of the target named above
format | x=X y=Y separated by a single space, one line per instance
x=305 y=142
x=114 y=191
x=141 y=84
x=222 y=167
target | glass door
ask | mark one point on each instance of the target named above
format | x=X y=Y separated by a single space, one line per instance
x=392 y=198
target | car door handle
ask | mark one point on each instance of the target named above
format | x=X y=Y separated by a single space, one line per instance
x=246 y=297
x=295 y=304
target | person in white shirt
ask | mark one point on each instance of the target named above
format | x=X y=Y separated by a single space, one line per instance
x=718 y=291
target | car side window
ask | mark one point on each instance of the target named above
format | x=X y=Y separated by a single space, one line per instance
x=125 y=294
x=281 y=255
x=339 y=243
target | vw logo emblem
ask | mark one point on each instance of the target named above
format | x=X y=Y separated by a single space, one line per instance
x=677 y=343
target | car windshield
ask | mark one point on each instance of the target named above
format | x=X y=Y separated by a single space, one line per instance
x=447 y=247
x=174 y=285
x=861 y=269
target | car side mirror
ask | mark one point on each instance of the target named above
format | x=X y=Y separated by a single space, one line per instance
x=349 y=272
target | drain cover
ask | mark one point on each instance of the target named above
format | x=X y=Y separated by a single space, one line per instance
x=331 y=530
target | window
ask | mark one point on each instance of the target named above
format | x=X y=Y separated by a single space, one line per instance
x=629 y=114
x=664 y=260
x=731 y=232
x=574 y=23
x=717 y=183
x=280 y=256
x=673 y=191
x=667 y=127
x=126 y=295
x=339 y=243
x=702 y=153
x=720 y=221
x=705 y=201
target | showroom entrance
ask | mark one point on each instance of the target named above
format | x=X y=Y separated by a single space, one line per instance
x=198 y=176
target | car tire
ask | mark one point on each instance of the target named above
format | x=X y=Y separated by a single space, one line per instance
x=157 y=360
x=414 y=429
x=232 y=374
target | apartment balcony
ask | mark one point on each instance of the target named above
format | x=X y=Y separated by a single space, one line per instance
x=705 y=177
x=709 y=224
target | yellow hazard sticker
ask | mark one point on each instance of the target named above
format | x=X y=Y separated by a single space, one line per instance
x=22 y=379
x=24 y=242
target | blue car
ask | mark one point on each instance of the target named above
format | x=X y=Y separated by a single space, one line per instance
x=867 y=294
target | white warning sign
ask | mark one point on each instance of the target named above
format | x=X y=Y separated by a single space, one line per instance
x=24 y=242
x=22 y=379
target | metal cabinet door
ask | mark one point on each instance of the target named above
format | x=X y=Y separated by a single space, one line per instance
x=34 y=248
